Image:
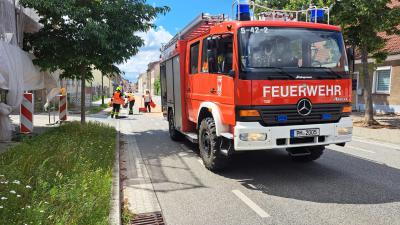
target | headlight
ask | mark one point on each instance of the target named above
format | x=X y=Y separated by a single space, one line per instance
x=253 y=137
x=345 y=130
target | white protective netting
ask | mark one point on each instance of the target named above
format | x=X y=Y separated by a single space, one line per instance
x=17 y=72
x=12 y=24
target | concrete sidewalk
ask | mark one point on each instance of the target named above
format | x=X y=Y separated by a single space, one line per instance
x=388 y=132
x=381 y=135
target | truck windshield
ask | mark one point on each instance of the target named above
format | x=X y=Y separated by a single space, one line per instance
x=272 y=52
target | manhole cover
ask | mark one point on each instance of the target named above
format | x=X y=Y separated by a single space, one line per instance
x=154 y=218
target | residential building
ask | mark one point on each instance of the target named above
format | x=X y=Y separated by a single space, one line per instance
x=147 y=79
x=142 y=82
x=93 y=88
x=153 y=74
x=385 y=78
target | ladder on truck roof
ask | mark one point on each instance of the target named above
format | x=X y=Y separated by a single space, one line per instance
x=198 y=26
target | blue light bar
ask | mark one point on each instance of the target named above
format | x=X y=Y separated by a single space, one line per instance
x=318 y=14
x=243 y=8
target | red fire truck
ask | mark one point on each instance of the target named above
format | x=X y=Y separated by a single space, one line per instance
x=243 y=85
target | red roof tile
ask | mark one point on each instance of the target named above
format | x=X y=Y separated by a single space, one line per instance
x=392 y=44
x=393 y=41
x=395 y=3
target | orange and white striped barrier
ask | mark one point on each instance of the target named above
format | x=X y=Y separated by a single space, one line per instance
x=26 y=114
x=62 y=108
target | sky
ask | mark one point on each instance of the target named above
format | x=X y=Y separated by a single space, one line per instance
x=181 y=13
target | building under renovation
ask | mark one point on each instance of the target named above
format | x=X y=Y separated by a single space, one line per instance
x=17 y=72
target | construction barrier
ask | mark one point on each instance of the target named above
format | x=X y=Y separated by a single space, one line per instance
x=26 y=114
x=62 y=108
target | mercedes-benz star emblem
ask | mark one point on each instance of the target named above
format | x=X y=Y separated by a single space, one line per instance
x=304 y=107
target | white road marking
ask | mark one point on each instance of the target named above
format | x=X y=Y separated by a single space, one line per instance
x=183 y=146
x=360 y=149
x=183 y=154
x=251 y=204
x=252 y=186
x=387 y=145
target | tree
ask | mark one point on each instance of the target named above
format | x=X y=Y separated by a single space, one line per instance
x=363 y=22
x=157 y=85
x=81 y=35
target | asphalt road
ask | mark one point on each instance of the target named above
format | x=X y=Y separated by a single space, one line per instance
x=357 y=184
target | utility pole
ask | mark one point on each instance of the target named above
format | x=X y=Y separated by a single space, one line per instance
x=102 y=89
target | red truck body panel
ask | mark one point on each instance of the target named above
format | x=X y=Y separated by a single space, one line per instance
x=197 y=88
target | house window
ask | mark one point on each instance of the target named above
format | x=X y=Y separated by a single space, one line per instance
x=382 y=80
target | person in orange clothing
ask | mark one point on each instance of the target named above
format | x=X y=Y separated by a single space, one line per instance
x=117 y=101
x=131 y=100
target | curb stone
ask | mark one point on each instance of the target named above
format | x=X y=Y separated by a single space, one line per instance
x=115 y=211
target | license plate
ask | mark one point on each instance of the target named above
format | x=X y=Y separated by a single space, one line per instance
x=305 y=132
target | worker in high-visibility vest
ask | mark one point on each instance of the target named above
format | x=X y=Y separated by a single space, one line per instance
x=131 y=100
x=117 y=100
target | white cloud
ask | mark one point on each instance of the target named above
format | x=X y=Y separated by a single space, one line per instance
x=148 y=53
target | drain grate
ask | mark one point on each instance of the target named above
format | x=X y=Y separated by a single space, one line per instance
x=154 y=218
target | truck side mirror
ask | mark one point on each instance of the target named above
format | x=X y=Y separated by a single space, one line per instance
x=231 y=73
x=210 y=44
x=350 y=53
x=350 y=57
x=212 y=61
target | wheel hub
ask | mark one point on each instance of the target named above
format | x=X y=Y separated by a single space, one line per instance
x=206 y=143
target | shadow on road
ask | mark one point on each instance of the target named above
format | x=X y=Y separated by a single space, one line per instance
x=335 y=178
x=165 y=161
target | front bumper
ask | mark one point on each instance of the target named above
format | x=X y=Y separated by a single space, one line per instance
x=279 y=136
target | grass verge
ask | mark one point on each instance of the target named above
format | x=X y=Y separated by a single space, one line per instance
x=63 y=176
x=97 y=109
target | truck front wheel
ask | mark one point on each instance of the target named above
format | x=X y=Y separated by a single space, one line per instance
x=306 y=154
x=210 y=144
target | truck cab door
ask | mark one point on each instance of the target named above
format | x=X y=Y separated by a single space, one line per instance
x=218 y=76
x=192 y=80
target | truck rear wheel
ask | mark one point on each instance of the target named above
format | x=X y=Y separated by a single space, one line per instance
x=173 y=133
x=210 y=144
x=306 y=154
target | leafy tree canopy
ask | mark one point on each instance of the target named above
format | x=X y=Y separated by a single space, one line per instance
x=361 y=20
x=79 y=35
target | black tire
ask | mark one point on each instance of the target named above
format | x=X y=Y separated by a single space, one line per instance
x=315 y=153
x=173 y=133
x=209 y=145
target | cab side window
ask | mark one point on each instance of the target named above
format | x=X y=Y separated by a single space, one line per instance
x=194 y=58
x=217 y=54
x=204 y=58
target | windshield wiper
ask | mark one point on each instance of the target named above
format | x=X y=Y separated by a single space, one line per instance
x=279 y=69
x=327 y=69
